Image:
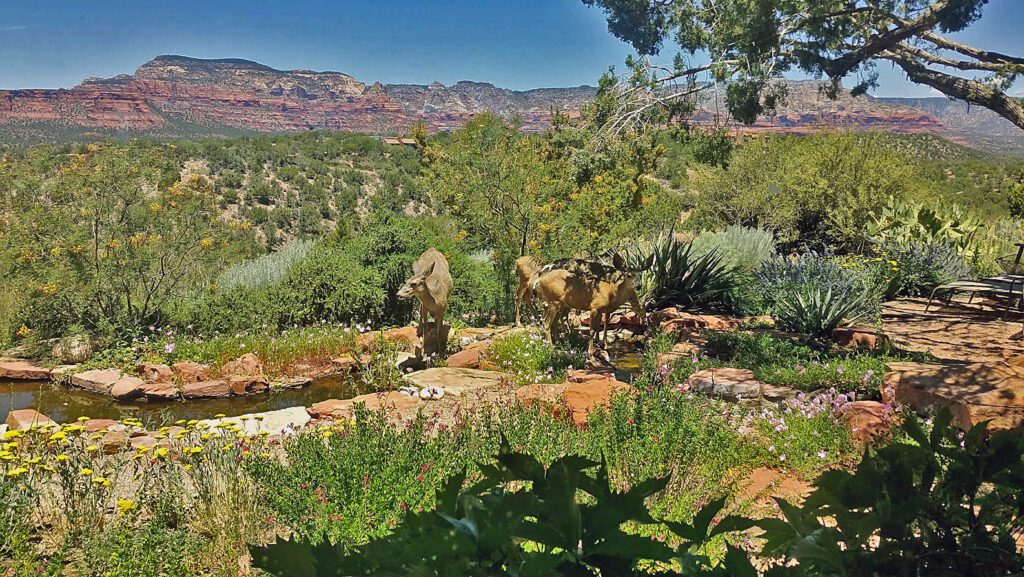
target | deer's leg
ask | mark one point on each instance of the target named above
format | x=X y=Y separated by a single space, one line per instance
x=520 y=294
x=595 y=330
x=550 y=318
x=439 y=321
x=421 y=330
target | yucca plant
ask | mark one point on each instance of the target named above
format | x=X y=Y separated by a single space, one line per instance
x=678 y=277
x=816 y=313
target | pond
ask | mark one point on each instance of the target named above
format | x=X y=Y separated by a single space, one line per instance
x=64 y=404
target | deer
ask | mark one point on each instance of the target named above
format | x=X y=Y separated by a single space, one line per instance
x=588 y=286
x=431 y=283
x=527 y=268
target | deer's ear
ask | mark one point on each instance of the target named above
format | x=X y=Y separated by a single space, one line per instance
x=648 y=263
x=427 y=272
x=619 y=262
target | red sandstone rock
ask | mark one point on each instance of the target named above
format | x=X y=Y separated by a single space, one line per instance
x=685 y=350
x=189 y=372
x=22 y=419
x=245 y=384
x=541 y=394
x=127 y=387
x=345 y=364
x=97 y=425
x=155 y=373
x=114 y=441
x=19 y=369
x=405 y=338
x=338 y=409
x=867 y=421
x=218 y=388
x=974 y=393
x=245 y=365
x=581 y=399
x=860 y=338
x=468 y=358
x=592 y=374
x=161 y=391
x=97 y=380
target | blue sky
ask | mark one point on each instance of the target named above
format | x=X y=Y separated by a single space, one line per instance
x=512 y=43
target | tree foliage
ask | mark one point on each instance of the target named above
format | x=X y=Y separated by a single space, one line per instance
x=752 y=43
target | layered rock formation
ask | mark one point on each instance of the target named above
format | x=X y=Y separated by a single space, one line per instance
x=177 y=96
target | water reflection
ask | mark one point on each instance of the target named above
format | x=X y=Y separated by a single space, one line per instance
x=67 y=404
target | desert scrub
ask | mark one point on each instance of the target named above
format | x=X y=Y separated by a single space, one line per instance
x=264 y=270
x=786 y=362
x=531 y=359
x=742 y=248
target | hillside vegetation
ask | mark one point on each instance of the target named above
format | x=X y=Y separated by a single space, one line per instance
x=106 y=239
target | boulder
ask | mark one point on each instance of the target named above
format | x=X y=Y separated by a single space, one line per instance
x=469 y=357
x=114 y=442
x=674 y=321
x=405 y=338
x=127 y=387
x=280 y=422
x=217 y=388
x=685 y=350
x=98 y=425
x=345 y=364
x=22 y=419
x=590 y=374
x=97 y=380
x=155 y=373
x=62 y=373
x=22 y=370
x=547 y=395
x=73 y=349
x=245 y=384
x=857 y=338
x=976 y=392
x=393 y=403
x=456 y=381
x=580 y=399
x=629 y=321
x=337 y=409
x=189 y=372
x=867 y=421
x=725 y=382
x=148 y=441
x=161 y=391
x=246 y=365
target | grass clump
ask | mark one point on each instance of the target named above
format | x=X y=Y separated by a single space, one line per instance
x=531 y=359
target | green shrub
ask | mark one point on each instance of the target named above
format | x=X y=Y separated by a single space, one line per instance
x=742 y=249
x=265 y=270
x=482 y=530
x=148 y=550
x=944 y=503
x=527 y=356
x=810 y=191
x=914 y=269
x=678 y=277
x=781 y=279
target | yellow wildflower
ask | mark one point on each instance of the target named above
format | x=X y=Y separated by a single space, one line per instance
x=61 y=457
x=92 y=448
x=85 y=472
x=124 y=506
x=101 y=481
x=161 y=452
x=16 y=472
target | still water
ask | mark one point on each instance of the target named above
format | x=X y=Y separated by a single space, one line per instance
x=64 y=404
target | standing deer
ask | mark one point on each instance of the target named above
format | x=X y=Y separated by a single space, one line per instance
x=588 y=286
x=526 y=268
x=431 y=283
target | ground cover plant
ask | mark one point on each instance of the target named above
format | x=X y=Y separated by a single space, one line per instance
x=945 y=502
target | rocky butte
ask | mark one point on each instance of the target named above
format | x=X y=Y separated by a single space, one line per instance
x=178 y=96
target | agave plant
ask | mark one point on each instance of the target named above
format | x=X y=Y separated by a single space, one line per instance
x=817 y=313
x=679 y=277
